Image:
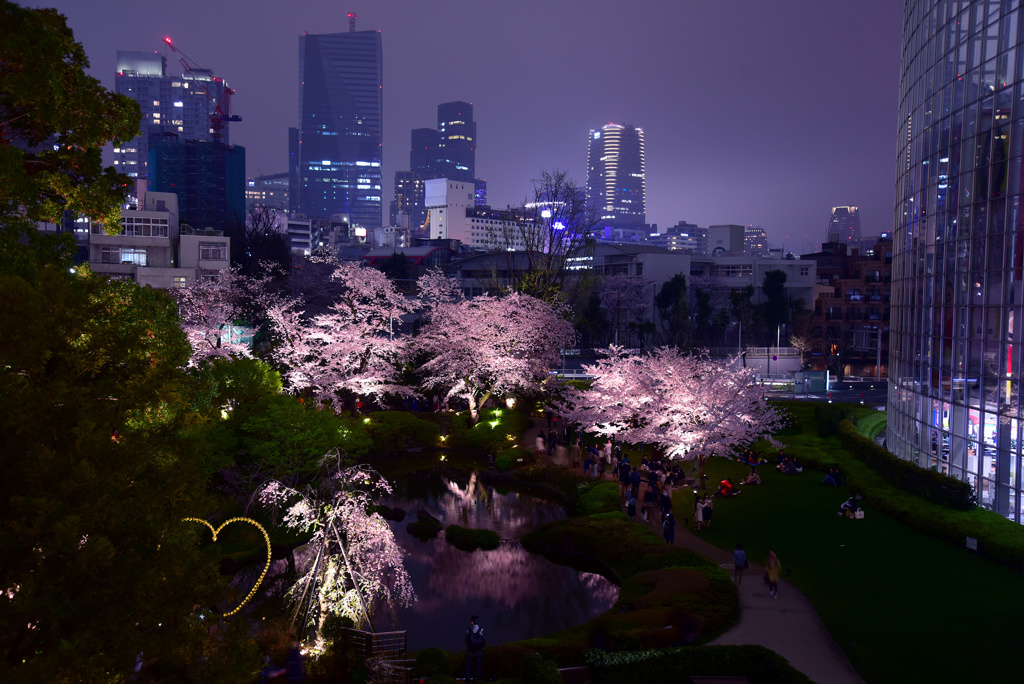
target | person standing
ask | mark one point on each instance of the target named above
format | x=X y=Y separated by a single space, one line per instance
x=773 y=567
x=475 y=643
x=698 y=512
x=539 y=447
x=669 y=526
x=709 y=510
x=739 y=564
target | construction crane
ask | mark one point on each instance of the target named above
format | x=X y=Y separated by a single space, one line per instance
x=221 y=106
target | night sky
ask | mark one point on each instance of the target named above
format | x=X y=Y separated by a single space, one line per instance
x=764 y=112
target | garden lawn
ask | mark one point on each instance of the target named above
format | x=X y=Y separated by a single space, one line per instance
x=904 y=606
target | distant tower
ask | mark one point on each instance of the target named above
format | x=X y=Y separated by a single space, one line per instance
x=844 y=225
x=756 y=242
x=616 y=186
x=457 y=137
x=340 y=106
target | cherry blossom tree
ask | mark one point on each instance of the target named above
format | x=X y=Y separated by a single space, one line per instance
x=489 y=346
x=357 y=564
x=352 y=347
x=693 y=407
x=209 y=309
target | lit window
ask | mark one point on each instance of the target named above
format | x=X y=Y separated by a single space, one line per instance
x=213 y=251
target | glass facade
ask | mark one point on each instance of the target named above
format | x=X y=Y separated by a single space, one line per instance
x=955 y=365
x=339 y=145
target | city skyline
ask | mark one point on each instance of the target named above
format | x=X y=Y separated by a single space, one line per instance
x=787 y=111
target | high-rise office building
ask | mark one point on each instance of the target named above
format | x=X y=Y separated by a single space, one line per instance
x=843 y=224
x=207 y=176
x=616 y=187
x=425 y=153
x=178 y=106
x=958 y=249
x=456 y=133
x=755 y=242
x=449 y=151
x=408 y=209
x=340 y=104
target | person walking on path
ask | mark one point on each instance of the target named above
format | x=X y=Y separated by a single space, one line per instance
x=739 y=564
x=774 y=568
x=669 y=526
x=539 y=447
x=475 y=643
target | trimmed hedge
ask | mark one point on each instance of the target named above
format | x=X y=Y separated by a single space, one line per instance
x=931 y=485
x=757 y=663
x=393 y=431
x=601 y=498
x=466 y=539
x=507 y=459
x=496 y=429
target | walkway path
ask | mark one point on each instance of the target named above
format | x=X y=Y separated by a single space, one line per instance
x=789 y=625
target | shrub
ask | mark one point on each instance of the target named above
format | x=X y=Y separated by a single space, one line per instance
x=757 y=663
x=393 y=431
x=601 y=498
x=433 y=661
x=440 y=679
x=426 y=527
x=829 y=417
x=928 y=484
x=507 y=459
x=466 y=539
x=492 y=431
x=535 y=669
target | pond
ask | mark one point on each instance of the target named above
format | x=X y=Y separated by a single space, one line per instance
x=517 y=594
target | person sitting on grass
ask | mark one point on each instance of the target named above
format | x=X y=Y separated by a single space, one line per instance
x=752 y=478
x=832 y=477
x=850 y=506
x=726 y=488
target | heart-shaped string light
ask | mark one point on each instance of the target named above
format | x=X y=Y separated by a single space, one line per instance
x=266 y=567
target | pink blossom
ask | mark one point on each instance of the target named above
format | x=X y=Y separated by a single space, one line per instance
x=486 y=346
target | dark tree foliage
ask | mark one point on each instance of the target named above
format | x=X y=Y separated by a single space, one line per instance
x=776 y=309
x=103 y=432
x=551 y=227
x=258 y=246
x=54 y=121
x=674 y=312
x=102 y=458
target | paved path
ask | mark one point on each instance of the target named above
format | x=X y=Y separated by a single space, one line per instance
x=788 y=625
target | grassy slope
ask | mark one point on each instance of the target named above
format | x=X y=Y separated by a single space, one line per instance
x=905 y=607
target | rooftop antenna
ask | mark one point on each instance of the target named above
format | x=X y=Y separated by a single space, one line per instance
x=352 y=22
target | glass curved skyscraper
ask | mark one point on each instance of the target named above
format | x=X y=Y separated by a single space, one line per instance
x=956 y=328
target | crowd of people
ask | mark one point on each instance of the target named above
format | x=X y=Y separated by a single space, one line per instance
x=646 y=487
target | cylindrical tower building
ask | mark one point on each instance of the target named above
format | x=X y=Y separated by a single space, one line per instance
x=958 y=248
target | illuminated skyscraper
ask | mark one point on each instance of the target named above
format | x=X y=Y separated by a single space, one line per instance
x=615 y=176
x=843 y=225
x=456 y=132
x=340 y=106
x=177 y=106
x=958 y=249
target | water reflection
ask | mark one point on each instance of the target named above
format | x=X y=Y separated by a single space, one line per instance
x=518 y=595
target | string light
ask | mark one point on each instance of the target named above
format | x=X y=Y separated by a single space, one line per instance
x=266 y=538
